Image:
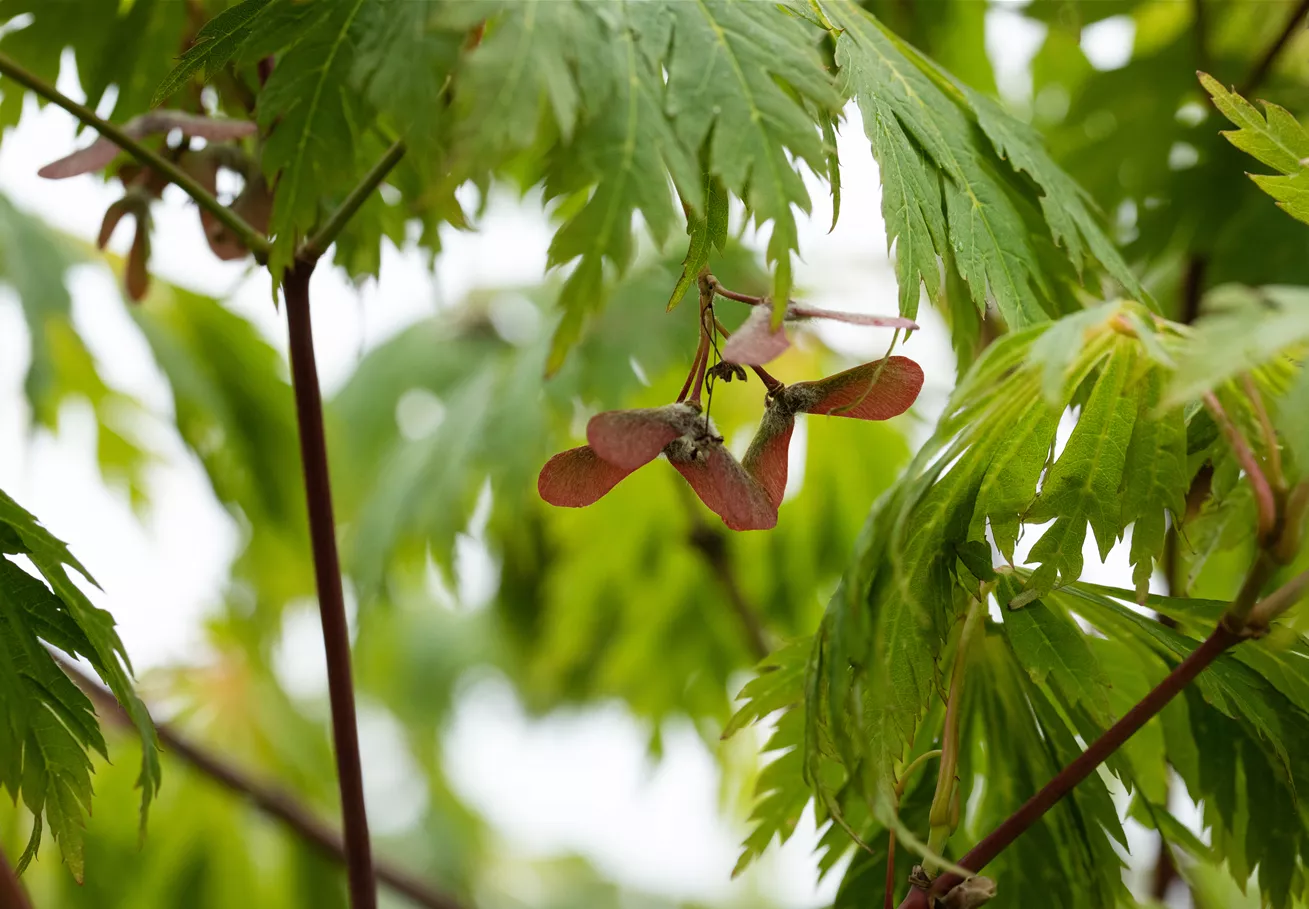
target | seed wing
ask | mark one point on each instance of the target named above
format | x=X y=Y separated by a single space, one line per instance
x=766 y=460
x=874 y=391
x=729 y=492
x=630 y=438
x=577 y=477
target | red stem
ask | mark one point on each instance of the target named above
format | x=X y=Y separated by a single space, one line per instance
x=737 y=296
x=11 y=892
x=888 y=902
x=1081 y=767
x=699 y=373
x=701 y=353
x=1265 y=504
x=331 y=600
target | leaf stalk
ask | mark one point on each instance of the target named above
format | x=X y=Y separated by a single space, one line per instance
x=317 y=245
x=941 y=818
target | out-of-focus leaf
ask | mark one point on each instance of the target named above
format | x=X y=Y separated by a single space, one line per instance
x=233 y=408
x=1242 y=329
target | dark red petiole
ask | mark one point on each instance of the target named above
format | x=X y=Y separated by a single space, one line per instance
x=701 y=354
x=702 y=365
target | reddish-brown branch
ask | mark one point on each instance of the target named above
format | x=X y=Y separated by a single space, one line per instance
x=11 y=892
x=331 y=599
x=888 y=900
x=1081 y=767
x=270 y=799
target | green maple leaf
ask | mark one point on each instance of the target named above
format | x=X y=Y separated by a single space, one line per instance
x=403 y=66
x=623 y=148
x=1083 y=485
x=314 y=120
x=1154 y=477
x=1275 y=138
x=526 y=58
x=726 y=70
x=985 y=230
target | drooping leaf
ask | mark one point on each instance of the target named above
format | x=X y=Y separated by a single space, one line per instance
x=726 y=70
x=1241 y=330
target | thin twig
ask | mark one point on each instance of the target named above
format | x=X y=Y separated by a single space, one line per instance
x=12 y=895
x=316 y=245
x=1277 y=602
x=1265 y=504
x=1275 y=475
x=1265 y=64
x=272 y=800
x=1081 y=767
x=252 y=239
x=331 y=599
x=712 y=545
x=943 y=800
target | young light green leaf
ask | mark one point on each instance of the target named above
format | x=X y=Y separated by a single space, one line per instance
x=1082 y=487
x=1293 y=418
x=1275 y=138
x=707 y=232
x=1154 y=477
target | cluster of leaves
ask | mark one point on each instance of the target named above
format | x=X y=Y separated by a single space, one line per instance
x=47 y=725
x=609 y=108
x=867 y=699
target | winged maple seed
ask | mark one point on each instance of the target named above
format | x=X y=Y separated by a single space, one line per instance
x=622 y=441
x=746 y=495
x=874 y=391
x=100 y=153
x=143 y=184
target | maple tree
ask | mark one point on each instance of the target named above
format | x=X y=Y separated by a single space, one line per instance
x=971 y=718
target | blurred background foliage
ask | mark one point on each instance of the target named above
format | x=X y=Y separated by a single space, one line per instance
x=438 y=433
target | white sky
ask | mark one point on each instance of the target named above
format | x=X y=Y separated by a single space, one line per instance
x=578 y=781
